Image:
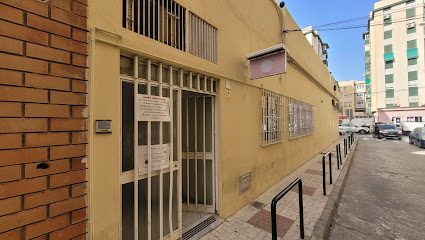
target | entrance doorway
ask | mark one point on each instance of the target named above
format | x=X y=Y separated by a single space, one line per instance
x=168 y=167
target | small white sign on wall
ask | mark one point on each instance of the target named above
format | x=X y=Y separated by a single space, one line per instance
x=160 y=157
x=153 y=108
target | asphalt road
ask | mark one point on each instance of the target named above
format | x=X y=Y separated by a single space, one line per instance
x=384 y=197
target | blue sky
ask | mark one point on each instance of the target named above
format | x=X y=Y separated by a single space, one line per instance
x=346 y=47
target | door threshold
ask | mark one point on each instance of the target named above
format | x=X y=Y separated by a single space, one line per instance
x=201 y=227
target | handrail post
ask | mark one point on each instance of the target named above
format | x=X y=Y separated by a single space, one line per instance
x=345 y=147
x=324 y=175
x=340 y=155
x=337 y=156
x=330 y=167
x=349 y=142
x=274 y=227
x=300 y=200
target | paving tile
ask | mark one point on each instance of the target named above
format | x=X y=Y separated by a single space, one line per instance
x=314 y=172
x=262 y=220
x=309 y=191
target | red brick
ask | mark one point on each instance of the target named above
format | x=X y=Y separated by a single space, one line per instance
x=78 y=190
x=79 y=163
x=46 y=110
x=68 y=18
x=48 y=82
x=68 y=178
x=78 y=216
x=11 y=125
x=23 y=33
x=22 y=218
x=10 y=109
x=9 y=141
x=10 y=173
x=48 y=25
x=46 y=53
x=68 y=151
x=20 y=156
x=12 y=189
x=10 y=77
x=45 y=197
x=48 y=225
x=80 y=111
x=23 y=63
x=11 y=235
x=30 y=6
x=69 y=232
x=46 y=139
x=20 y=94
x=79 y=9
x=10 y=205
x=79 y=137
x=11 y=14
x=11 y=45
x=43 y=237
x=62 y=4
x=67 y=206
x=79 y=86
x=79 y=35
x=67 y=124
x=62 y=70
x=79 y=60
x=32 y=170
x=69 y=45
x=67 y=98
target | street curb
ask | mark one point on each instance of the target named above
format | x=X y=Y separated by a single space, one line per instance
x=322 y=228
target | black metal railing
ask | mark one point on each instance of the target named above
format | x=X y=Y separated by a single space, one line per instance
x=300 y=200
x=338 y=155
x=324 y=170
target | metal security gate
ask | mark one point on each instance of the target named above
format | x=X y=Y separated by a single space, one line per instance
x=153 y=115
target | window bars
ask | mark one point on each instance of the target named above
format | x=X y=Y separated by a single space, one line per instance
x=301 y=119
x=272 y=117
x=161 y=20
x=203 y=38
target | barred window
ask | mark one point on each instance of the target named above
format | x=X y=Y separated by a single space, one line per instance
x=301 y=119
x=272 y=117
x=202 y=38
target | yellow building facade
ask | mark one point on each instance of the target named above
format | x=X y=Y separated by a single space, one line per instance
x=226 y=139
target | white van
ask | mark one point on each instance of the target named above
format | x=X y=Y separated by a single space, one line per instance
x=407 y=127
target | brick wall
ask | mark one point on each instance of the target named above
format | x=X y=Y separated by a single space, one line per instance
x=43 y=66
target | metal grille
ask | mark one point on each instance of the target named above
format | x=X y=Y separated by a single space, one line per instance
x=161 y=20
x=202 y=39
x=272 y=117
x=301 y=119
x=192 y=232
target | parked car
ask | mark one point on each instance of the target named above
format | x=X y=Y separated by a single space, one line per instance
x=407 y=127
x=342 y=132
x=386 y=131
x=417 y=137
x=364 y=122
x=353 y=128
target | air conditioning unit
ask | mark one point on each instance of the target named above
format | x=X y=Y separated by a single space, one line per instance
x=366 y=37
x=396 y=105
x=387 y=16
x=411 y=25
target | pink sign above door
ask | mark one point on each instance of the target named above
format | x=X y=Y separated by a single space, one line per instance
x=268 y=65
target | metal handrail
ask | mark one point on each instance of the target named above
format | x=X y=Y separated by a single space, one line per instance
x=300 y=201
x=324 y=170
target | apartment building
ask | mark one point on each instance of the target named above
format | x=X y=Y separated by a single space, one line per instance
x=140 y=119
x=316 y=42
x=394 y=46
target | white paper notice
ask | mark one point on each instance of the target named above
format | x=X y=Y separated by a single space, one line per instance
x=160 y=157
x=153 y=108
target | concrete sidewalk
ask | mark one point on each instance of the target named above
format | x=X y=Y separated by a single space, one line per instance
x=253 y=221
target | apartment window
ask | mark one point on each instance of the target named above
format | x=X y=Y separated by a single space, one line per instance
x=389 y=93
x=301 y=119
x=413 y=91
x=387 y=20
x=410 y=13
x=389 y=78
x=202 y=38
x=411 y=44
x=272 y=117
x=412 y=75
x=389 y=64
x=388 y=34
x=414 y=119
x=161 y=20
x=413 y=104
x=411 y=30
x=413 y=61
x=388 y=49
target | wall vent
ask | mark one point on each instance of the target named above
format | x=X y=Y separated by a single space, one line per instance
x=244 y=183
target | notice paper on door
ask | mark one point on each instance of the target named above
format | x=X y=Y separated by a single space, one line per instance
x=153 y=108
x=160 y=157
